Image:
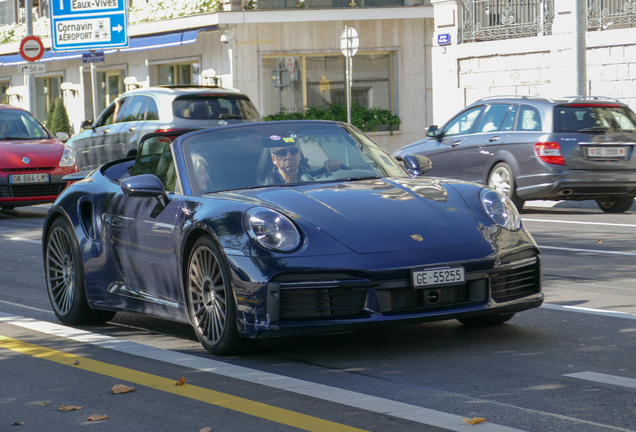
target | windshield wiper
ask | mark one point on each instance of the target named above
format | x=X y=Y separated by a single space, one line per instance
x=365 y=178
x=594 y=129
x=230 y=116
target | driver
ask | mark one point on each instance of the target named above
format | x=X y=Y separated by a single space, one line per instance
x=287 y=168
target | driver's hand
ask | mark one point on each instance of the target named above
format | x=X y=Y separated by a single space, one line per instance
x=332 y=165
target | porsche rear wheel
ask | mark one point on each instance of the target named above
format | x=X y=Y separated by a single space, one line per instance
x=211 y=299
x=65 y=278
x=502 y=180
x=486 y=320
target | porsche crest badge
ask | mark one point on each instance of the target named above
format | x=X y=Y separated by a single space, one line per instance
x=417 y=237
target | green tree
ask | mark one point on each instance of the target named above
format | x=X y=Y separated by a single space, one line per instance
x=48 y=122
x=60 y=121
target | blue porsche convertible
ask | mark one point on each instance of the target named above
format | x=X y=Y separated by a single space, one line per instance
x=283 y=228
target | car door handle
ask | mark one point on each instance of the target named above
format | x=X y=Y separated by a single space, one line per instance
x=493 y=139
x=455 y=143
x=132 y=128
x=113 y=221
x=106 y=131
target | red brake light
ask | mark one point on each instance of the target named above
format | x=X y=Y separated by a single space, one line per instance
x=549 y=152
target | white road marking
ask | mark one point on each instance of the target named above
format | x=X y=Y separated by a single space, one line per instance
x=604 y=378
x=596 y=251
x=402 y=410
x=602 y=312
x=20 y=239
x=26 y=307
x=577 y=222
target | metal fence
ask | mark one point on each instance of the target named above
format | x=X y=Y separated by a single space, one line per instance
x=506 y=19
x=604 y=14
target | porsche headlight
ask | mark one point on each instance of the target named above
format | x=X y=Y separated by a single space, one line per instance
x=501 y=209
x=68 y=158
x=272 y=229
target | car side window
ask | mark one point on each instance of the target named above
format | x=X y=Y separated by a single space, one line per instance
x=529 y=119
x=463 y=123
x=131 y=109
x=509 y=122
x=493 y=118
x=152 y=112
x=106 y=118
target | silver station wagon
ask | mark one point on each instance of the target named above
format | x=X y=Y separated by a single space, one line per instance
x=533 y=148
x=119 y=128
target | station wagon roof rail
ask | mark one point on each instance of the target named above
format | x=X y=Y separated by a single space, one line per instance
x=571 y=99
x=526 y=97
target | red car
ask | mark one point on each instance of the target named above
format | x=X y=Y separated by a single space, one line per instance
x=32 y=160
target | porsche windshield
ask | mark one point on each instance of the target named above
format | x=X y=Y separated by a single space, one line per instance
x=283 y=153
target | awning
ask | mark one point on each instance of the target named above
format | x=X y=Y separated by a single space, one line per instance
x=136 y=44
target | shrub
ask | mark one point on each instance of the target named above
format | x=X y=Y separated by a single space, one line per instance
x=366 y=119
x=60 y=122
x=48 y=122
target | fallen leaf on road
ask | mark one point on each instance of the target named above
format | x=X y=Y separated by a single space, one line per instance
x=69 y=407
x=96 y=417
x=474 y=420
x=600 y=241
x=76 y=362
x=120 y=388
x=180 y=382
x=18 y=423
x=207 y=429
x=44 y=403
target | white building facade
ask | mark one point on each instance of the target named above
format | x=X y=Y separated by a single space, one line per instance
x=424 y=62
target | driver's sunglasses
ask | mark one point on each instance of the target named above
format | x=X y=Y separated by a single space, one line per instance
x=283 y=152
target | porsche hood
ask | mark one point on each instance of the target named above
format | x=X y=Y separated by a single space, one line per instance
x=381 y=215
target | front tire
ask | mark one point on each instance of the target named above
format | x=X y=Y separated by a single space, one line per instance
x=502 y=180
x=211 y=299
x=615 y=205
x=486 y=320
x=65 y=278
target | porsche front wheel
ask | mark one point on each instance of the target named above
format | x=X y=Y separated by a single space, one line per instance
x=211 y=300
x=65 y=278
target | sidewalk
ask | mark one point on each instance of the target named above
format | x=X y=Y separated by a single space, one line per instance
x=589 y=204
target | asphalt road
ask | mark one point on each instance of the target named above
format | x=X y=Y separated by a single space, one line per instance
x=567 y=366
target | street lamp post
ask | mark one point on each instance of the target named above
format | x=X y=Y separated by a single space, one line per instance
x=580 y=17
x=30 y=78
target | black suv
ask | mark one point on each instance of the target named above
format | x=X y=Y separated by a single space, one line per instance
x=118 y=130
x=529 y=148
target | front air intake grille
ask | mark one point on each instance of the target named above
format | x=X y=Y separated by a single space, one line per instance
x=321 y=302
x=516 y=282
x=31 y=190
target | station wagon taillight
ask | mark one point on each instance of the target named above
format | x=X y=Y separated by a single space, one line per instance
x=549 y=152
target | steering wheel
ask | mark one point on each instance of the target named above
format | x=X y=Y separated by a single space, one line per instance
x=323 y=171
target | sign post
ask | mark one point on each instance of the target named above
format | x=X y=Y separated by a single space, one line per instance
x=349 y=43
x=95 y=24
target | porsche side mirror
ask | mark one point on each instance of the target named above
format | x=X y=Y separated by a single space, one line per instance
x=62 y=136
x=87 y=124
x=145 y=185
x=432 y=131
x=417 y=165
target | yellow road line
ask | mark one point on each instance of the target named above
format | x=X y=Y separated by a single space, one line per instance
x=246 y=406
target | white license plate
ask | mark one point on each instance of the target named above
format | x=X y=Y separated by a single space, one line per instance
x=29 y=178
x=605 y=152
x=438 y=276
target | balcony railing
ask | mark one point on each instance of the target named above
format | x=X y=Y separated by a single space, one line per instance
x=603 y=14
x=506 y=19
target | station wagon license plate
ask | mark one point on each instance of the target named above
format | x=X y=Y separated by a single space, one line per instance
x=29 y=178
x=437 y=276
x=606 y=152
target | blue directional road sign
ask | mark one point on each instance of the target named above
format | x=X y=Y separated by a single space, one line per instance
x=88 y=24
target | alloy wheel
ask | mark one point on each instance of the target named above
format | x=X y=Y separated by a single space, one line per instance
x=500 y=180
x=60 y=271
x=207 y=295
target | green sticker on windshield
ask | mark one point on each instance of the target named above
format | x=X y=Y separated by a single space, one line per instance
x=289 y=140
